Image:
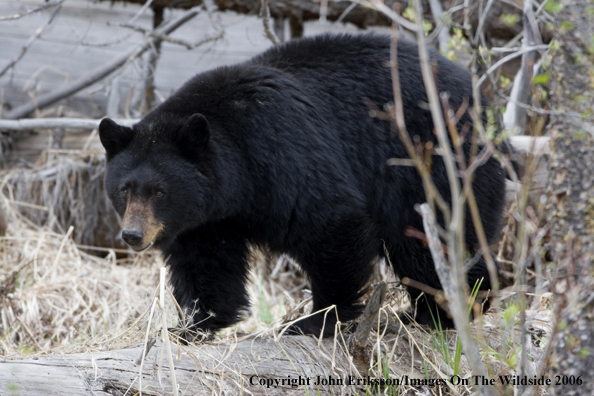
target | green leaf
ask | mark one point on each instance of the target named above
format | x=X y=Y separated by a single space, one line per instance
x=541 y=79
x=510 y=19
x=554 y=7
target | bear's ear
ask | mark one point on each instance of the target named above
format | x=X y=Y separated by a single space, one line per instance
x=114 y=137
x=194 y=135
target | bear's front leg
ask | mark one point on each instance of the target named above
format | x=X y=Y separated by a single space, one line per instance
x=208 y=273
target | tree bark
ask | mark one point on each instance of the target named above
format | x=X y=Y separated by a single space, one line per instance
x=571 y=196
x=202 y=369
x=227 y=368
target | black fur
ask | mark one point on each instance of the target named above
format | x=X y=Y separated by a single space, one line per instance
x=285 y=154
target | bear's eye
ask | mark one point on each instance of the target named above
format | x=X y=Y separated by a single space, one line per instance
x=159 y=193
x=124 y=191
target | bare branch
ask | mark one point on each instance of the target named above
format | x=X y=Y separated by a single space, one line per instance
x=398 y=117
x=41 y=123
x=265 y=15
x=443 y=34
x=346 y=12
x=215 y=18
x=31 y=11
x=437 y=116
x=514 y=117
x=507 y=58
x=479 y=30
x=101 y=72
x=142 y=10
x=164 y=37
x=35 y=36
x=384 y=9
x=113 y=100
x=451 y=289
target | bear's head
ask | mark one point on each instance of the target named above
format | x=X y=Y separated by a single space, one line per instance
x=159 y=177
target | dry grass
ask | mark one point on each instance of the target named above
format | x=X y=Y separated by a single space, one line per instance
x=65 y=189
x=52 y=294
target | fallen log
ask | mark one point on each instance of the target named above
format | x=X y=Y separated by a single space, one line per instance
x=255 y=366
x=250 y=366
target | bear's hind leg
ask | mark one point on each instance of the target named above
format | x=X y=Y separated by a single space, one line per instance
x=412 y=260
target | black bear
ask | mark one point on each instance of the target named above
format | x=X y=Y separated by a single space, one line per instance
x=281 y=151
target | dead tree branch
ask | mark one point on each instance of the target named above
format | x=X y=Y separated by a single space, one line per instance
x=509 y=57
x=451 y=287
x=358 y=341
x=38 y=32
x=265 y=15
x=514 y=117
x=31 y=11
x=103 y=71
x=42 y=123
x=164 y=37
x=443 y=31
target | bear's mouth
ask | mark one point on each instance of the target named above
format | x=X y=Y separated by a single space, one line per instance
x=142 y=248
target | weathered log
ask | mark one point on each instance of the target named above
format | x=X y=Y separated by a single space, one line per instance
x=303 y=10
x=250 y=366
x=363 y=17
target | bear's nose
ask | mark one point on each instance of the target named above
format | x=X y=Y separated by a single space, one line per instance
x=132 y=237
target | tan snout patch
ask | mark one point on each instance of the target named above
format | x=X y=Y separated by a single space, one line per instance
x=139 y=216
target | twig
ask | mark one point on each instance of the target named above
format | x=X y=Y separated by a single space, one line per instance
x=102 y=71
x=450 y=287
x=265 y=15
x=398 y=117
x=30 y=334
x=521 y=254
x=436 y=114
x=431 y=291
x=414 y=233
x=475 y=113
x=113 y=100
x=544 y=357
x=384 y=9
x=537 y=110
x=323 y=11
x=345 y=13
x=509 y=57
x=215 y=18
x=30 y=11
x=107 y=43
x=145 y=351
x=443 y=35
x=358 y=340
x=165 y=332
x=164 y=37
x=368 y=319
x=142 y=10
x=41 y=123
x=35 y=36
x=483 y=18
x=514 y=117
